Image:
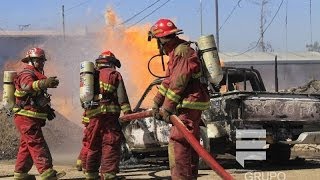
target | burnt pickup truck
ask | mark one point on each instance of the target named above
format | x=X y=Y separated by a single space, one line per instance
x=239 y=102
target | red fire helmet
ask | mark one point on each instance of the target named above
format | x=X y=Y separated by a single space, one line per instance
x=34 y=53
x=108 y=57
x=164 y=27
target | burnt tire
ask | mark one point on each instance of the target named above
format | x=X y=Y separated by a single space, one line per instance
x=278 y=153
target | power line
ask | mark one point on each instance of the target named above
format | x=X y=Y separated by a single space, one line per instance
x=233 y=9
x=200 y=11
x=129 y=19
x=204 y=5
x=286 y=25
x=149 y=14
x=80 y=4
x=262 y=32
x=135 y=15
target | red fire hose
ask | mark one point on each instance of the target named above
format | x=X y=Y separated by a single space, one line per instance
x=189 y=137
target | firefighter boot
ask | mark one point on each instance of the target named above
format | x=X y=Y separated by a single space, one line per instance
x=92 y=176
x=109 y=175
x=79 y=165
x=51 y=174
x=23 y=176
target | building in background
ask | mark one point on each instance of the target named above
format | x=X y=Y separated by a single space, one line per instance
x=294 y=68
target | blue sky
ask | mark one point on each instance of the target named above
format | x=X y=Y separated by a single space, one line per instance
x=240 y=32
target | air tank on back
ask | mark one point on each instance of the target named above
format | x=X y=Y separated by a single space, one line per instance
x=8 y=98
x=211 y=59
x=86 y=81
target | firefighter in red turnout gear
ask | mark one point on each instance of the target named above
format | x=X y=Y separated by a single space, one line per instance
x=104 y=130
x=32 y=109
x=180 y=93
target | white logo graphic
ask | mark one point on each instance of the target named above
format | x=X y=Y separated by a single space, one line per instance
x=248 y=142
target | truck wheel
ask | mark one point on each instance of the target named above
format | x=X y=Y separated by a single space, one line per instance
x=278 y=153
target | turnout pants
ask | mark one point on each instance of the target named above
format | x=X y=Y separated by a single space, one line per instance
x=84 y=149
x=183 y=159
x=33 y=148
x=104 y=144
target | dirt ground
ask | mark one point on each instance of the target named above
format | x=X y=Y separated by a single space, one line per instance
x=307 y=166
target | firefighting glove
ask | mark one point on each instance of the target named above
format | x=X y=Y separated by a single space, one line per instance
x=51 y=82
x=181 y=50
x=156 y=111
x=51 y=115
x=127 y=112
x=166 y=116
x=125 y=123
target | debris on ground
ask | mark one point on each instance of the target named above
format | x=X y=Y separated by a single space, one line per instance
x=60 y=134
x=312 y=87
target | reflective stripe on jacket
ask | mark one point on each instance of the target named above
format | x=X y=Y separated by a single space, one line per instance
x=85 y=119
x=19 y=93
x=184 y=103
x=113 y=93
x=30 y=113
x=102 y=109
x=107 y=87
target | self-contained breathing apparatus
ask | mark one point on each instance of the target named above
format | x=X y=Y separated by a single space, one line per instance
x=211 y=71
x=90 y=96
x=208 y=54
x=40 y=100
x=87 y=75
x=89 y=85
x=8 y=98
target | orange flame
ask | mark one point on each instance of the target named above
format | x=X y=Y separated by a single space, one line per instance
x=131 y=46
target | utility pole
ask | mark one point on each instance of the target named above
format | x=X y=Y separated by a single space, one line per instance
x=201 y=32
x=310 y=23
x=262 y=22
x=63 y=27
x=217 y=25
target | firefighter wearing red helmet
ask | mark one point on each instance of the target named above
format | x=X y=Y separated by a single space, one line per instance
x=103 y=132
x=180 y=93
x=32 y=109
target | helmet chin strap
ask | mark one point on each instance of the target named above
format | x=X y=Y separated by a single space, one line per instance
x=161 y=53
